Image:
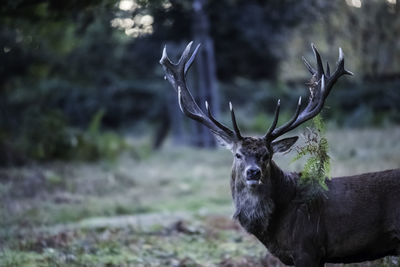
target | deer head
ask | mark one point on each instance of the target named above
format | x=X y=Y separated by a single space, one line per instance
x=253 y=155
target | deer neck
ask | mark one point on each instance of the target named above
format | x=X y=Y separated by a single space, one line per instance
x=284 y=185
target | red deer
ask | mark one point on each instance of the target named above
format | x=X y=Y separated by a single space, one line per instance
x=357 y=219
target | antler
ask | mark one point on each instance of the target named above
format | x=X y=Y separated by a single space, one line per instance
x=320 y=86
x=176 y=75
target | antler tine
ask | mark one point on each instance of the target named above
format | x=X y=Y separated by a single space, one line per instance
x=191 y=59
x=285 y=127
x=320 y=68
x=185 y=54
x=275 y=121
x=176 y=75
x=341 y=57
x=165 y=59
x=328 y=70
x=187 y=58
x=295 y=116
x=308 y=65
x=235 y=126
x=340 y=70
x=319 y=92
x=220 y=125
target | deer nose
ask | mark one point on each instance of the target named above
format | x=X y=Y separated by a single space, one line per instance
x=253 y=173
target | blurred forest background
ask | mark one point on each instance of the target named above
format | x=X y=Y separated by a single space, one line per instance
x=71 y=67
x=85 y=111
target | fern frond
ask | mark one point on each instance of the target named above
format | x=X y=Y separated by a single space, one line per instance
x=317 y=167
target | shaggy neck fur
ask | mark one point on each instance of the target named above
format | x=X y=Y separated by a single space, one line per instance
x=254 y=207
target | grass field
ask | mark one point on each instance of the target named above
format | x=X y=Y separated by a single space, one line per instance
x=170 y=208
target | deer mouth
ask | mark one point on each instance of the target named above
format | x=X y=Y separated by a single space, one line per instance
x=254 y=182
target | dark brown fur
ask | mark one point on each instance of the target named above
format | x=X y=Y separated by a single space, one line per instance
x=357 y=219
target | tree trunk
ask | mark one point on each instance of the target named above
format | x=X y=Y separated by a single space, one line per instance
x=206 y=73
x=176 y=118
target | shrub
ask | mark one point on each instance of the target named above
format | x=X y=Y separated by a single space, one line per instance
x=47 y=136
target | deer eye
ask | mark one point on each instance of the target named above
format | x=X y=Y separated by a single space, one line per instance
x=238 y=156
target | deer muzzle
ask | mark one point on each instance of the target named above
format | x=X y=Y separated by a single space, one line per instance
x=253 y=176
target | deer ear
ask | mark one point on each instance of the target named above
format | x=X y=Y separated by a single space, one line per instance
x=283 y=144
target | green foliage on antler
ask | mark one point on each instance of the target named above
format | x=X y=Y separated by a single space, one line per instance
x=317 y=167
